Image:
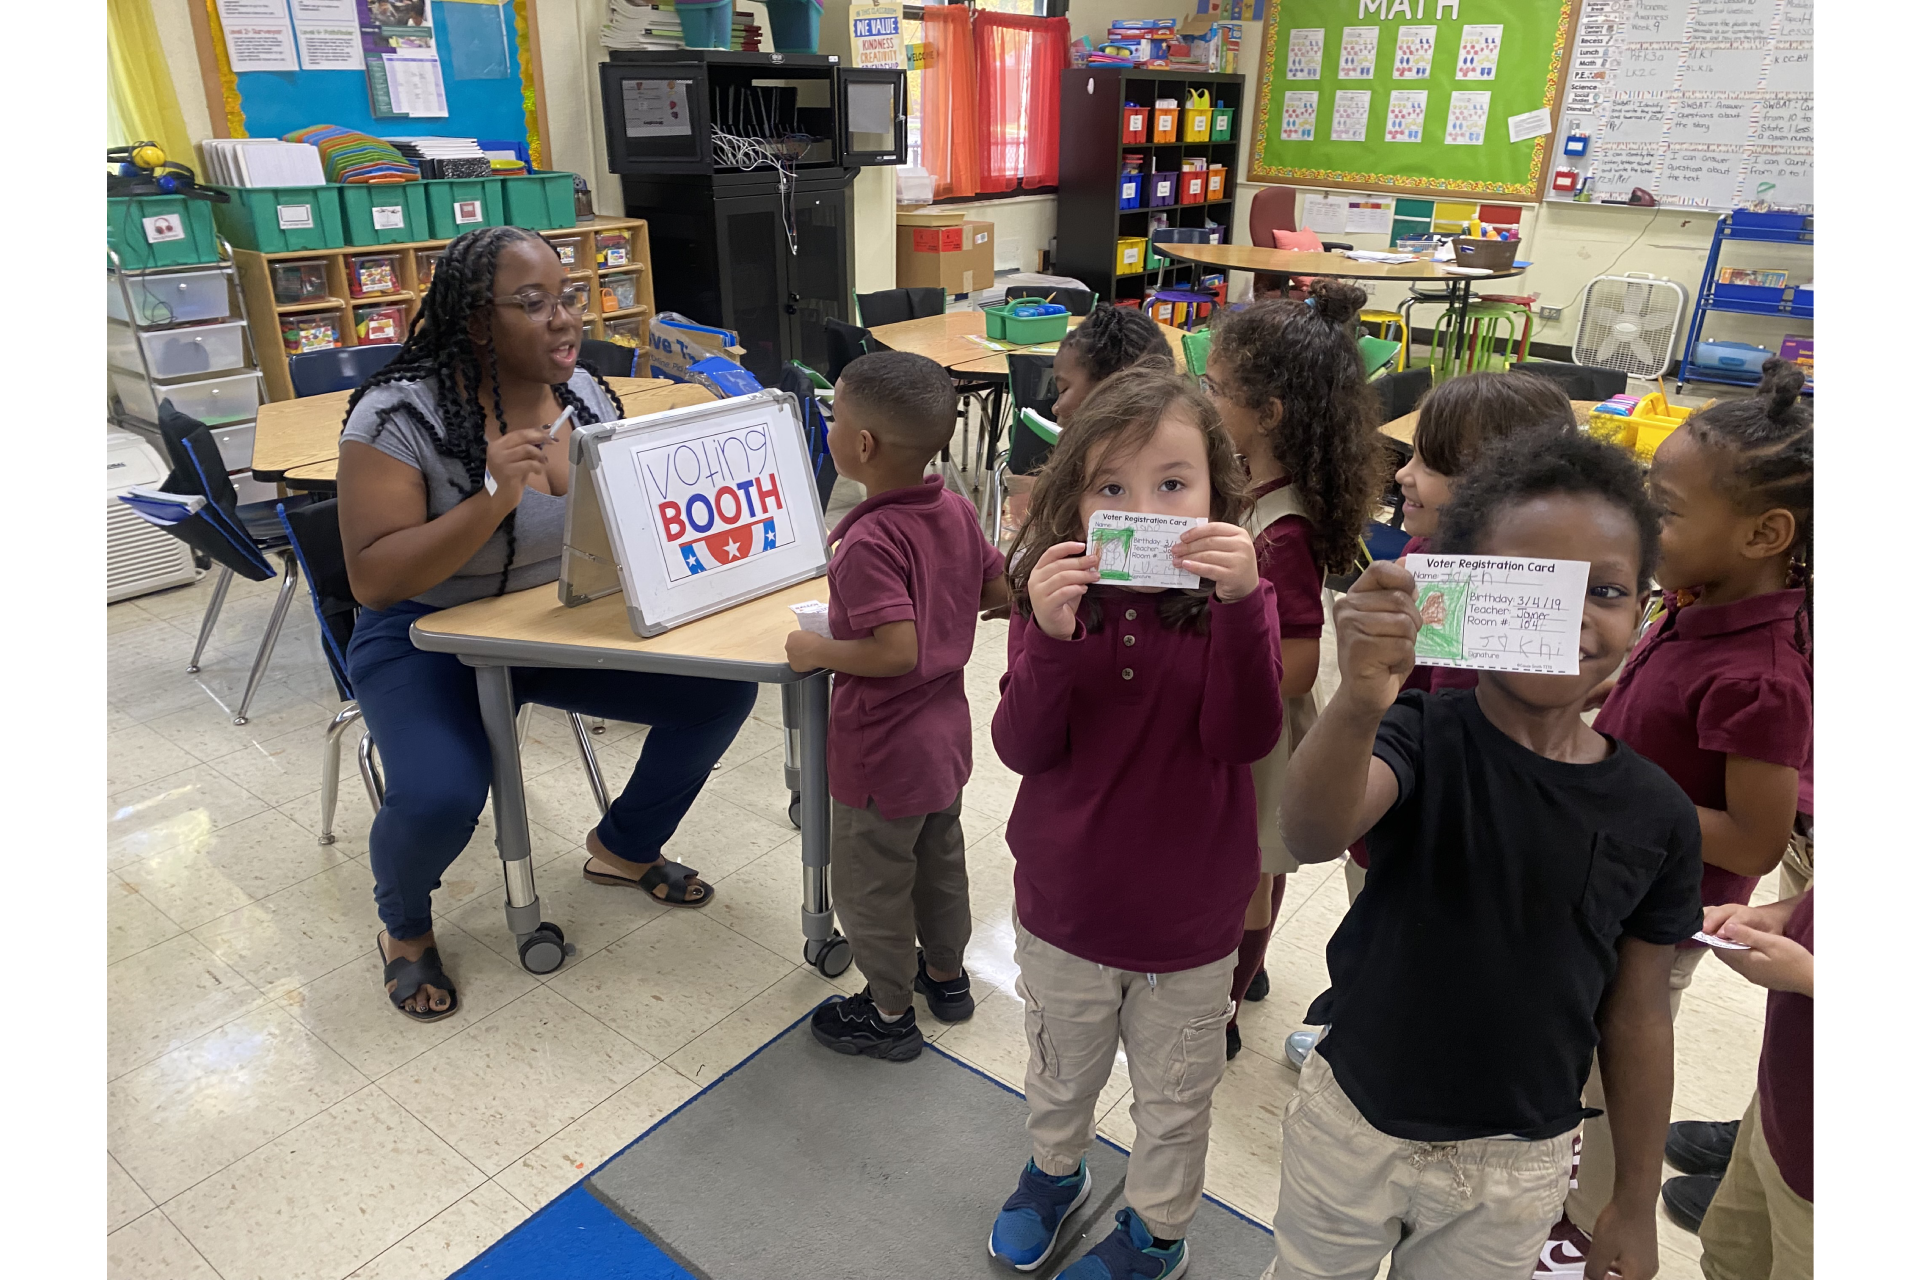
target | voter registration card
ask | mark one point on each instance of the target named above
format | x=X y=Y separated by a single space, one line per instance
x=1137 y=548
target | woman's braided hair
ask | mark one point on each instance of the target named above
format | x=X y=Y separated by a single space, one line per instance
x=440 y=347
x=1112 y=338
x=1762 y=453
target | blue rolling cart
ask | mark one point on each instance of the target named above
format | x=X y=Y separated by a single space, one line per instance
x=1752 y=300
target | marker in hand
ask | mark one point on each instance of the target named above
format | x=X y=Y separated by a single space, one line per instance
x=553 y=433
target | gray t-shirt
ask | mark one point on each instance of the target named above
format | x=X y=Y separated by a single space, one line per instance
x=381 y=419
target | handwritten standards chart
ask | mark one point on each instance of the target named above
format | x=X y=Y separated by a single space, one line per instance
x=1490 y=613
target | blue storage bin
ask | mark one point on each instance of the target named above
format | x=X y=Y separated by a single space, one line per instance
x=1801 y=303
x=1769 y=221
x=1740 y=357
x=1130 y=190
x=1759 y=294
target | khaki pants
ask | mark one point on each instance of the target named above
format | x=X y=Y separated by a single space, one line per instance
x=1593 y=1177
x=1174 y=1026
x=893 y=880
x=1758 y=1227
x=1796 y=868
x=1350 y=1195
x=1356 y=879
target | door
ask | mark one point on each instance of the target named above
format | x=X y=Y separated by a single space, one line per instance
x=873 y=118
x=816 y=273
x=752 y=243
x=656 y=117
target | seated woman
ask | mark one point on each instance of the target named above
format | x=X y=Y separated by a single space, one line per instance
x=488 y=365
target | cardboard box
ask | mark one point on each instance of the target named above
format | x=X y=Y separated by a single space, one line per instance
x=957 y=258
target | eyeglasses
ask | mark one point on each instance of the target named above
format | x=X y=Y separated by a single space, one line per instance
x=539 y=304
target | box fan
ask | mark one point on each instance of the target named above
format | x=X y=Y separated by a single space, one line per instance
x=1629 y=323
x=140 y=557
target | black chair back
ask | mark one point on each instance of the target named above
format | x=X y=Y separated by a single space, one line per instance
x=217 y=530
x=847 y=343
x=609 y=359
x=895 y=306
x=315 y=373
x=314 y=531
x=794 y=381
x=1030 y=382
x=1579 y=381
x=1399 y=393
x=1077 y=301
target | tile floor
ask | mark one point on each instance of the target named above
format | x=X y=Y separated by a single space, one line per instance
x=270 y=1117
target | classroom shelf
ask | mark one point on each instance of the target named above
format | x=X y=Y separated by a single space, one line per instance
x=1705 y=303
x=311 y=304
x=624 y=312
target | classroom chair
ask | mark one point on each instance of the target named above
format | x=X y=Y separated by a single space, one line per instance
x=1030 y=385
x=1195 y=344
x=1417 y=296
x=1399 y=393
x=313 y=533
x=893 y=306
x=1272 y=210
x=804 y=385
x=847 y=343
x=1487 y=328
x=1172 y=235
x=1579 y=381
x=1078 y=302
x=1376 y=353
x=610 y=359
x=315 y=373
x=1523 y=301
x=1393 y=326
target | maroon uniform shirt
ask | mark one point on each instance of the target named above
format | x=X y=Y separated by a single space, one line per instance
x=1285 y=552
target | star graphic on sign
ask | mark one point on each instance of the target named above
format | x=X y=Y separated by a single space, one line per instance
x=732 y=549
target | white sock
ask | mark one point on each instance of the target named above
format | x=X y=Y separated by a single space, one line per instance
x=888 y=1018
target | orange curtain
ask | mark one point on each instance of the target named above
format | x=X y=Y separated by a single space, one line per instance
x=1019 y=60
x=949 y=104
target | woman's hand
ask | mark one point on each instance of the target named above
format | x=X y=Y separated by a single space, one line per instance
x=513 y=460
x=1060 y=577
x=1374 y=625
x=1222 y=552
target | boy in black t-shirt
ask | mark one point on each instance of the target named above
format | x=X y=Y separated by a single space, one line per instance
x=1527 y=874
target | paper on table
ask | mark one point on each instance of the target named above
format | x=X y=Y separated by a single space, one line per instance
x=1137 y=548
x=1377 y=255
x=1324 y=214
x=1494 y=613
x=1722 y=943
x=1529 y=124
x=812 y=616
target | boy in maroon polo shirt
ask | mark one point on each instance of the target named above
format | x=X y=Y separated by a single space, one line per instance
x=908 y=580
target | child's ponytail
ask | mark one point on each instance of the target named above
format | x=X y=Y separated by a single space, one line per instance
x=1336 y=302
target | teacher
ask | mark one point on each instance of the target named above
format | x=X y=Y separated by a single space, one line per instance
x=488 y=365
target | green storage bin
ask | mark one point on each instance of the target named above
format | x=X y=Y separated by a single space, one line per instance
x=282 y=219
x=1223 y=124
x=539 y=201
x=385 y=212
x=184 y=229
x=456 y=206
x=1024 y=331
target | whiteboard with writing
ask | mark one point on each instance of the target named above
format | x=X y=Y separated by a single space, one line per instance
x=1707 y=104
x=1497 y=613
x=693 y=510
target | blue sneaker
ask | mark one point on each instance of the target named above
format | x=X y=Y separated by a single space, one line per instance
x=1128 y=1254
x=1030 y=1221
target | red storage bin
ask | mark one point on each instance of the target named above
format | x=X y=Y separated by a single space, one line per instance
x=1193 y=186
x=1133 y=124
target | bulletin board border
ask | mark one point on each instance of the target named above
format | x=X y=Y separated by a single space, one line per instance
x=1534 y=189
x=228 y=117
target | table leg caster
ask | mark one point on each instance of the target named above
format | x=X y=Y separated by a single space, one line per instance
x=793 y=809
x=545 y=949
x=831 y=956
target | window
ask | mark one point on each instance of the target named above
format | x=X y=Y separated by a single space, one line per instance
x=983 y=116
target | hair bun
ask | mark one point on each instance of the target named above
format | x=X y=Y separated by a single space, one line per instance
x=1336 y=300
x=1780 y=382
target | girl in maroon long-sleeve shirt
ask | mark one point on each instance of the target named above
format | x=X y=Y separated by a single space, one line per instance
x=1133 y=717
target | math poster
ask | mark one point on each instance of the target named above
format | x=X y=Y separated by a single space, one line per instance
x=716 y=501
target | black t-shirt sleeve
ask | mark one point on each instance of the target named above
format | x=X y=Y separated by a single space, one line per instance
x=1670 y=912
x=1398 y=741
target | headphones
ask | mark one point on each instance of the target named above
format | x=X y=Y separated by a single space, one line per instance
x=146 y=171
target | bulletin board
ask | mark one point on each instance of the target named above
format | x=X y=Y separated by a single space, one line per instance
x=1705 y=105
x=1338 y=103
x=489 y=67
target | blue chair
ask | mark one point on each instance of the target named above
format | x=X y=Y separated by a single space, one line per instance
x=315 y=373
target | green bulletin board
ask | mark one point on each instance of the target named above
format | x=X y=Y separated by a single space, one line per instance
x=1528 y=64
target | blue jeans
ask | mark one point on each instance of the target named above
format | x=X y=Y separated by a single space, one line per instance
x=423 y=709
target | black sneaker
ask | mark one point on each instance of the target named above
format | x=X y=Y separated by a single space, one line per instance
x=1701 y=1146
x=1258 y=988
x=853 y=1026
x=1687 y=1198
x=947 y=1001
x=1233 y=1042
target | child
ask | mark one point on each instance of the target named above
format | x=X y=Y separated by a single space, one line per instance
x=1110 y=339
x=1761 y=1219
x=909 y=575
x=1529 y=874
x=1719 y=692
x=1132 y=718
x=1291 y=389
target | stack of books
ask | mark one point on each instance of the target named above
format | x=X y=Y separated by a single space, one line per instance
x=350 y=156
x=445 y=157
x=261 y=162
x=653 y=24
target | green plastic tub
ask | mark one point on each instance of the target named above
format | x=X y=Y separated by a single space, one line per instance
x=1028 y=331
x=539 y=201
x=456 y=206
x=161 y=231
x=385 y=212
x=282 y=219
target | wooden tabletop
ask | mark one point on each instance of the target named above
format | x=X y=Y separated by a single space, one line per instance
x=1246 y=257
x=1401 y=428
x=947 y=340
x=303 y=435
x=753 y=634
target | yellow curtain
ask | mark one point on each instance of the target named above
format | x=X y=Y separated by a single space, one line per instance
x=142 y=105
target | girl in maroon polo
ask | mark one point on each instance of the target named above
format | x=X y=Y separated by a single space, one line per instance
x=1133 y=718
x=1719 y=691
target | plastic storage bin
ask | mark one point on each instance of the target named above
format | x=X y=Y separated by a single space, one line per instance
x=1223 y=124
x=572 y=251
x=1770 y=221
x=457 y=205
x=1130 y=256
x=1653 y=420
x=630 y=332
x=539 y=201
x=310 y=331
x=160 y=231
x=1049 y=325
x=1133 y=124
x=297 y=282
x=1754 y=294
x=214 y=401
x=180 y=353
x=282 y=219
x=1193 y=186
x=612 y=249
x=425 y=263
x=235 y=445
x=619 y=293
x=1166 y=120
x=1801 y=303
x=176 y=299
x=1163 y=189
x=1196 y=118
x=384 y=212
x=378 y=326
x=1741 y=357
x=1130 y=184
x=1216 y=182
x=373 y=274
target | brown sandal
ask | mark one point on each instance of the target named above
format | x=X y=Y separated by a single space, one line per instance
x=675 y=876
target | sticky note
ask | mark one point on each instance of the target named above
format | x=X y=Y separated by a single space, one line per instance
x=1498 y=613
x=812 y=616
x=1137 y=548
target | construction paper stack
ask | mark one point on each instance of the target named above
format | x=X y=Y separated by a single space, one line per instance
x=348 y=156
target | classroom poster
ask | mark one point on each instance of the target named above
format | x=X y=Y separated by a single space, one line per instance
x=1297 y=116
x=1467 y=117
x=716 y=500
x=876 y=36
x=1370 y=217
x=1413 y=53
x=403 y=62
x=1350 y=108
x=259 y=35
x=1479 y=51
x=1358 y=48
x=328 y=33
x=1406 y=115
x=1305 y=45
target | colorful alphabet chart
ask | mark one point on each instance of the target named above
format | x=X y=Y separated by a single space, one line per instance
x=1297 y=115
x=1305 y=45
x=1479 y=51
x=1413 y=53
x=1406 y=114
x=1350 y=108
x=1492 y=613
x=1359 y=46
x=1467 y=117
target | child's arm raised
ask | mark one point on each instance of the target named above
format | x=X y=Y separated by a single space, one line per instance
x=1335 y=788
x=1030 y=724
x=1636 y=1061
